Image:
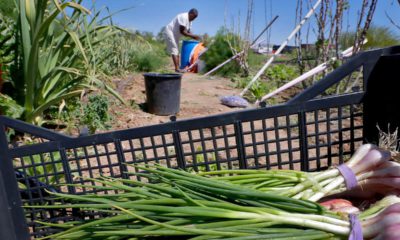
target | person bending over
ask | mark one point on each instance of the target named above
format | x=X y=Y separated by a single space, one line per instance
x=178 y=27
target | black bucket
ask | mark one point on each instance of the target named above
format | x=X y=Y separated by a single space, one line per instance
x=163 y=93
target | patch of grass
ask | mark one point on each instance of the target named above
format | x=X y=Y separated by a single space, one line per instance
x=130 y=52
x=256 y=61
x=134 y=104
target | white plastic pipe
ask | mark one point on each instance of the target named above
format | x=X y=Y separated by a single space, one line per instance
x=283 y=45
x=224 y=63
x=297 y=80
x=346 y=53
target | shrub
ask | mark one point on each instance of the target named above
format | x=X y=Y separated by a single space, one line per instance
x=218 y=52
x=280 y=74
x=378 y=36
x=147 y=60
x=9 y=107
x=256 y=91
x=95 y=113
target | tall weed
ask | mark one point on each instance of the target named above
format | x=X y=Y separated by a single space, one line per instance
x=127 y=52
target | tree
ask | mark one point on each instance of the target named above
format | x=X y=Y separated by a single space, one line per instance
x=329 y=20
x=329 y=44
x=241 y=46
x=148 y=36
x=160 y=35
x=378 y=37
x=220 y=50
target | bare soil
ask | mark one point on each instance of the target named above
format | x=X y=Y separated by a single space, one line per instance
x=199 y=97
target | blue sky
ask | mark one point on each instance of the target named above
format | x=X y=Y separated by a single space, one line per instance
x=152 y=15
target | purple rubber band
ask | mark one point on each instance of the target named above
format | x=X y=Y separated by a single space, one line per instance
x=356 y=229
x=348 y=175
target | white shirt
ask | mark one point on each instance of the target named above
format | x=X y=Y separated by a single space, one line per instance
x=181 y=19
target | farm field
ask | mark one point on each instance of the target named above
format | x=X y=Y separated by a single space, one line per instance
x=312 y=152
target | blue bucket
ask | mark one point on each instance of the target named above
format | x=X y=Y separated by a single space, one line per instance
x=187 y=49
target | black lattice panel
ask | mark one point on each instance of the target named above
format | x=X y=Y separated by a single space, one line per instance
x=333 y=135
x=146 y=151
x=46 y=168
x=92 y=161
x=272 y=143
x=210 y=149
x=37 y=174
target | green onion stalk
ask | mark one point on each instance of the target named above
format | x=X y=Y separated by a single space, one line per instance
x=371 y=166
x=174 y=203
x=382 y=220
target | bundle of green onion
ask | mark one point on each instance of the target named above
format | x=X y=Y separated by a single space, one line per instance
x=371 y=166
x=181 y=204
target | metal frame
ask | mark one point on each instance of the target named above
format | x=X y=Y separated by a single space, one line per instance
x=238 y=136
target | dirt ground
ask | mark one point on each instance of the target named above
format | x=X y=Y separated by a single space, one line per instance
x=199 y=97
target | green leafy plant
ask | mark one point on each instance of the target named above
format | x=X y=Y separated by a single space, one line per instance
x=219 y=51
x=7 y=8
x=7 y=40
x=7 y=47
x=9 y=107
x=378 y=37
x=259 y=89
x=45 y=164
x=56 y=61
x=280 y=74
x=240 y=82
x=95 y=113
x=256 y=91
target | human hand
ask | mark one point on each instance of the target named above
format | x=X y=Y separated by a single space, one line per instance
x=197 y=37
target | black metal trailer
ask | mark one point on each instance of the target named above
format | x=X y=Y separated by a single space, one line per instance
x=313 y=131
